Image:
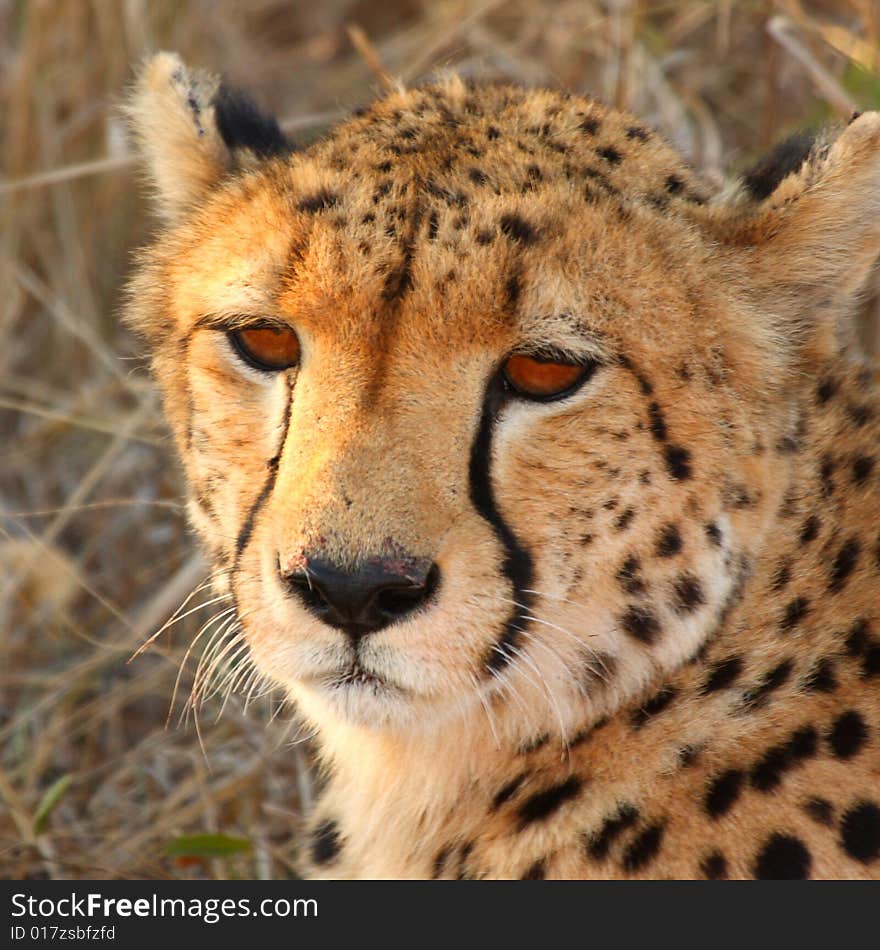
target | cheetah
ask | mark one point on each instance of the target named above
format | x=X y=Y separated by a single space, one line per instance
x=541 y=475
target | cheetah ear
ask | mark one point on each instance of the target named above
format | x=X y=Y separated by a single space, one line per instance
x=191 y=131
x=808 y=225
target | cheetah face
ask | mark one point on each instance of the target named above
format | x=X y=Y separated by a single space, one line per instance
x=466 y=421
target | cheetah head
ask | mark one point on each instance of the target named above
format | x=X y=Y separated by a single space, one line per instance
x=481 y=398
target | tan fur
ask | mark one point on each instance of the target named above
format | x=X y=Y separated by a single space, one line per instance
x=666 y=505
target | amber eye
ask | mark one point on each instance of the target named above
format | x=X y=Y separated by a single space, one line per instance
x=540 y=379
x=267 y=348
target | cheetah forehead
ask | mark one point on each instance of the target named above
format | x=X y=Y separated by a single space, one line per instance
x=458 y=142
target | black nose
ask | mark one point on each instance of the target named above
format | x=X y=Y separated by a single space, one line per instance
x=376 y=594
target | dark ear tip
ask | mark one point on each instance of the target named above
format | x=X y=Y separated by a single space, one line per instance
x=243 y=125
x=765 y=176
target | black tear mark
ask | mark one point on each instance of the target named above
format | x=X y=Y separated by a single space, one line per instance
x=247 y=527
x=517 y=565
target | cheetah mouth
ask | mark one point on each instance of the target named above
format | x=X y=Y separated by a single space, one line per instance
x=356 y=677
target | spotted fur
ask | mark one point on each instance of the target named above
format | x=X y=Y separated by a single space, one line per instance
x=654 y=649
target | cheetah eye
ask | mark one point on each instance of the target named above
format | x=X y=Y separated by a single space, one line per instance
x=267 y=348
x=544 y=379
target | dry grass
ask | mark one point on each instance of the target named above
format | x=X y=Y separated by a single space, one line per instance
x=94 y=552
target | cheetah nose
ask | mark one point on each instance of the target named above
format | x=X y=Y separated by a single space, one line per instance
x=376 y=594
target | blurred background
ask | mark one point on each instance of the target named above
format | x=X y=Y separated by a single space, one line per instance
x=94 y=551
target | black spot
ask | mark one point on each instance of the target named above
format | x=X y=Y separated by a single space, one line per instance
x=628 y=577
x=610 y=154
x=477 y=177
x=512 y=290
x=821 y=678
x=713 y=533
x=857 y=640
x=826 y=470
x=655 y=705
x=381 y=191
x=492 y=132
x=848 y=735
x=543 y=804
x=862 y=468
x=658 y=423
x=506 y=792
x=844 y=564
x=871 y=660
x=440 y=862
x=624 y=519
x=464 y=852
x=242 y=125
x=820 y=810
x=319 y=201
x=860 y=415
x=325 y=842
x=674 y=184
x=714 y=866
x=860 y=832
x=783 y=858
x=776 y=761
x=641 y=624
x=723 y=675
x=810 y=530
x=583 y=735
x=771 y=681
x=795 y=613
x=723 y=793
x=762 y=179
x=669 y=541
x=688 y=594
x=538 y=742
x=599 y=844
x=398 y=281
x=432 y=225
x=781 y=578
x=517 y=229
x=536 y=872
x=589 y=125
x=826 y=390
x=644 y=849
x=485 y=237
x=678 y=462
x=637 y=132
